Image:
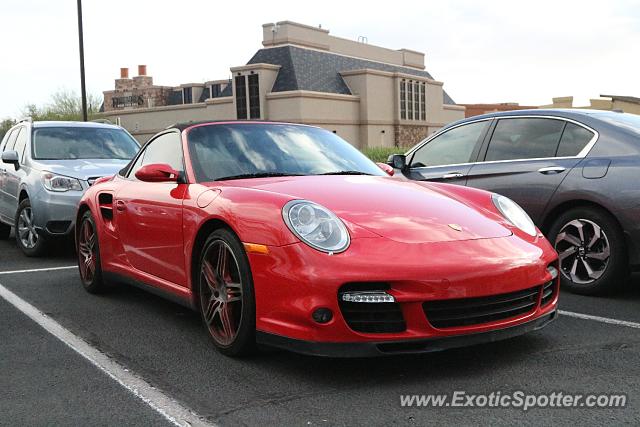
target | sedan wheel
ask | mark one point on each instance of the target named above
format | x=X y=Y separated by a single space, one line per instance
x=591 y=250
x=226 y=294
x=584 y=251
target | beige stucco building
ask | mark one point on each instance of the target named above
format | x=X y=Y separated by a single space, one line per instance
x=369 y=95
x=626 y=104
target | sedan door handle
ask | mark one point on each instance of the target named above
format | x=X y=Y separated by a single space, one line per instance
x=551 y=170
x=120 y=206
x=452 y=175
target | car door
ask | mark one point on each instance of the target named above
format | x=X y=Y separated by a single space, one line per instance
x=526 y=159
x=148 y=215
x=448 y=155
x=5 y=209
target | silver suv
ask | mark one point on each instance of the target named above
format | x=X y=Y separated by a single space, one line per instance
x=45 y=169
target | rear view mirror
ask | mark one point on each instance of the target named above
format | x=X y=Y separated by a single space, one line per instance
x=11 y=157
x=157 y=172
x=385 y=167
x=397 y=161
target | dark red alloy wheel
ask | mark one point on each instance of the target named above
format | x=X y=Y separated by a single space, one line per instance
x=221 y=295
x=87 y=251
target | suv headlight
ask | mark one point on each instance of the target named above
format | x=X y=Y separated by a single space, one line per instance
x=316 y=226
x=514 y=214
x=60 y=183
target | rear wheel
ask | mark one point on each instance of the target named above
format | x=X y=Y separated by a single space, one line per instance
x=226 y=297
x=89 y=255
x=30 y=242
x=591 y=250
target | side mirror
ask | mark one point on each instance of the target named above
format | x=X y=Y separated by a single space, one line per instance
x=385 y=167
x=11 y=157
x=157 y=172
x=397 y=161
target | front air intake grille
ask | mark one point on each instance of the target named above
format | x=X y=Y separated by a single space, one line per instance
x=371 y=317
x=475 y=311
x=548 y=293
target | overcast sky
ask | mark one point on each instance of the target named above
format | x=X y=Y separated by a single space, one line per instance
x=484 y=51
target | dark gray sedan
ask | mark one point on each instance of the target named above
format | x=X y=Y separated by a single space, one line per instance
x=575 y=172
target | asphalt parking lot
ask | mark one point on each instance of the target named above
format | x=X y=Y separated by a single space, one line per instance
x=45 y=382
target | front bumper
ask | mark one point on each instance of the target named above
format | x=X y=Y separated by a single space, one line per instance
x=293 y=281
x=55 y=213
x=388 y=348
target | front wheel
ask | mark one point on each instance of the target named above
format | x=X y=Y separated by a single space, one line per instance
x=30 y=242
x=88 y=248
x=226 y=297
x=591 y=251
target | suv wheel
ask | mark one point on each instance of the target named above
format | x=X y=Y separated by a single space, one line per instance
x=591 y=250
x=29 y=240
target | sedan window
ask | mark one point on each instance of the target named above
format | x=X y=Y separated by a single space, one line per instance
x=451 y=147
x=574 y=139
x=525 y=138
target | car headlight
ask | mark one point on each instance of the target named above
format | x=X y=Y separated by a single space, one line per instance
x=514 y=214
x=60 y=183
x=316 y=226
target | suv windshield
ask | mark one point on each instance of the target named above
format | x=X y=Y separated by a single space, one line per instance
x=68 y=143
x=260 y=150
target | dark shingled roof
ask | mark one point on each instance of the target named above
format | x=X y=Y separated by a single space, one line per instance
x=306 y=69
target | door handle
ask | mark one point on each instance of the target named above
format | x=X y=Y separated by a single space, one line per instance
x=551 y=170
x=452 y=175
x=120 y=206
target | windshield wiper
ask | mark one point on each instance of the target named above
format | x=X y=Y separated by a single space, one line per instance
x=345 y=173
x=257 y=175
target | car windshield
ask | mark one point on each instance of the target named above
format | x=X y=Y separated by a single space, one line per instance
x=68 y=143
x=229 y=151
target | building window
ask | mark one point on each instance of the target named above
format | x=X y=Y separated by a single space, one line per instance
x=187 y=95
x=410 y=102
x=403 y=99
x=416 y=101
x=423 y=102
x=216 y=90
x=413 y=100
x=241 y=97
x=254 y=97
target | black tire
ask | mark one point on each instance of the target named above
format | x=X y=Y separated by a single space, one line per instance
x=219 y=300
x=40 y=244
x=88 y=250
x=605 y=276
x=5 y=231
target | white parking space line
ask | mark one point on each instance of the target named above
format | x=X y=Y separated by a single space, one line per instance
x=600 y=319
x=36 y=270
x=166 y=406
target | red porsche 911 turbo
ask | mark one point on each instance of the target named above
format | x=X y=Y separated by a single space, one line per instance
x=285 y=235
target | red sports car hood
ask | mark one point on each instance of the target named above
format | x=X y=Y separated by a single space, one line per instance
x=404 y=211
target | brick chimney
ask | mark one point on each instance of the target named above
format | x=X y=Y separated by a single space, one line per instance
x=124 y=82
x=142 y=81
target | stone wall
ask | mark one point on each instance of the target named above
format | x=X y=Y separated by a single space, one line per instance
x=409 y=135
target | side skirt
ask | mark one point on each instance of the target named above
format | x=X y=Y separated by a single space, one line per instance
x=121 y=278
